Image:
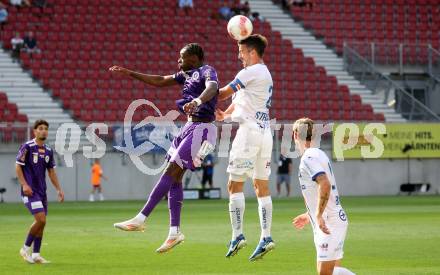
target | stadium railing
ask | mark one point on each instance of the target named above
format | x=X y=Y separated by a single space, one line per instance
x=368 y=74
x=404 y=57
x=14 y=132
x=434 y=63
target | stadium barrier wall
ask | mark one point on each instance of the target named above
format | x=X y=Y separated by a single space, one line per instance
x=126 y=182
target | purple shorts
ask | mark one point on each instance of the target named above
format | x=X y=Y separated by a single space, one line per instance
x=35 y=203
x=186 y=146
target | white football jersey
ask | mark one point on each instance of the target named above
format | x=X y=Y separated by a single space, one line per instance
x=253 y=87
x=315 y=162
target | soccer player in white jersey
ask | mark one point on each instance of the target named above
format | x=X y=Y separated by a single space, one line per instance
x=252 y=147
x=324 y=210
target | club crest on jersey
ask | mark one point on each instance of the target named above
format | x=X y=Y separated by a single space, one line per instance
x=46 y=159
x=195 y=76
x=342 y=215
x=35 y=157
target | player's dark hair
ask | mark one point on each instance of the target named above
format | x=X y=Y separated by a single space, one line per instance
x=195 y=49
x=256 y=42
x=40 y=122
x=300 y=127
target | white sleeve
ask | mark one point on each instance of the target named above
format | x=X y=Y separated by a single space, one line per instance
x=241 y=80
x=313 y=166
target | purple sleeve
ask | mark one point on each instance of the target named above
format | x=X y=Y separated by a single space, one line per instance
x=51 y=163
x=210 y=74
x=179 y=77
x=22 y=153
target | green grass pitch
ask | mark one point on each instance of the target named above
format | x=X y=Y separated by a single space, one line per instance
x=386 y=235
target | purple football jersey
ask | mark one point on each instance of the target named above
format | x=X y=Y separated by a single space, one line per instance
x=194 y=83
x=35 y=160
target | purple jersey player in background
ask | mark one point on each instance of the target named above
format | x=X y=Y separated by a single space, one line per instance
x=33 y=159
x=195 y=140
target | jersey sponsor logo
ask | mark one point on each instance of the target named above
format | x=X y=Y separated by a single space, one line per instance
x=36 y=205
x=262 y=116
x=46 y=159
x=25 y=199
x=342 y=215
x=35 y=157
x=242 y=164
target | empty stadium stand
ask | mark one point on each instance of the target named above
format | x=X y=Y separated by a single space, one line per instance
x=411 y=22
x=81 y=39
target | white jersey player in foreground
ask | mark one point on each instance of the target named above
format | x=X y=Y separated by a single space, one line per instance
x=252 y=147
x=324 y=210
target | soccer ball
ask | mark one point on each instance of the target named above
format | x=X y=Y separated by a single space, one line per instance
x=239 y=27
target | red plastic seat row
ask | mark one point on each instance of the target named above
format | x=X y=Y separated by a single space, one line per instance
x=77 y=52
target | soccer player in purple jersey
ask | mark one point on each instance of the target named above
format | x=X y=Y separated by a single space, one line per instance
x=33 y=159
x=195 y=140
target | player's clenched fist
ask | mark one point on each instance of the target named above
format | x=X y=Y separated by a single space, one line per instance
x=190 y=107
x=27 y=190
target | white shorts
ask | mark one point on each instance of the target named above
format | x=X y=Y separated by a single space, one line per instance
x=251 y=153
x=330 y=247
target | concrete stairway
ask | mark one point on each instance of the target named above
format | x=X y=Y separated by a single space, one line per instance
x=323 y=56
x=29 y=96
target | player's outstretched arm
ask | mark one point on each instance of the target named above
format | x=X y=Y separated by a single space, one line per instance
x=27 y=190
x=154 y=80
x=323 y=196
x=209 y=92
x=54 y=179
x=225 y=93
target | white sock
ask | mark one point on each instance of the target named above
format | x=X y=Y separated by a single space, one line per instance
x=140 y=217
x=91 y=197
x=25 y=247
x=101 y=196
x=35 y=255
x=342 y=271
x=174 y=230
x=265 y=213
x=236 y=213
